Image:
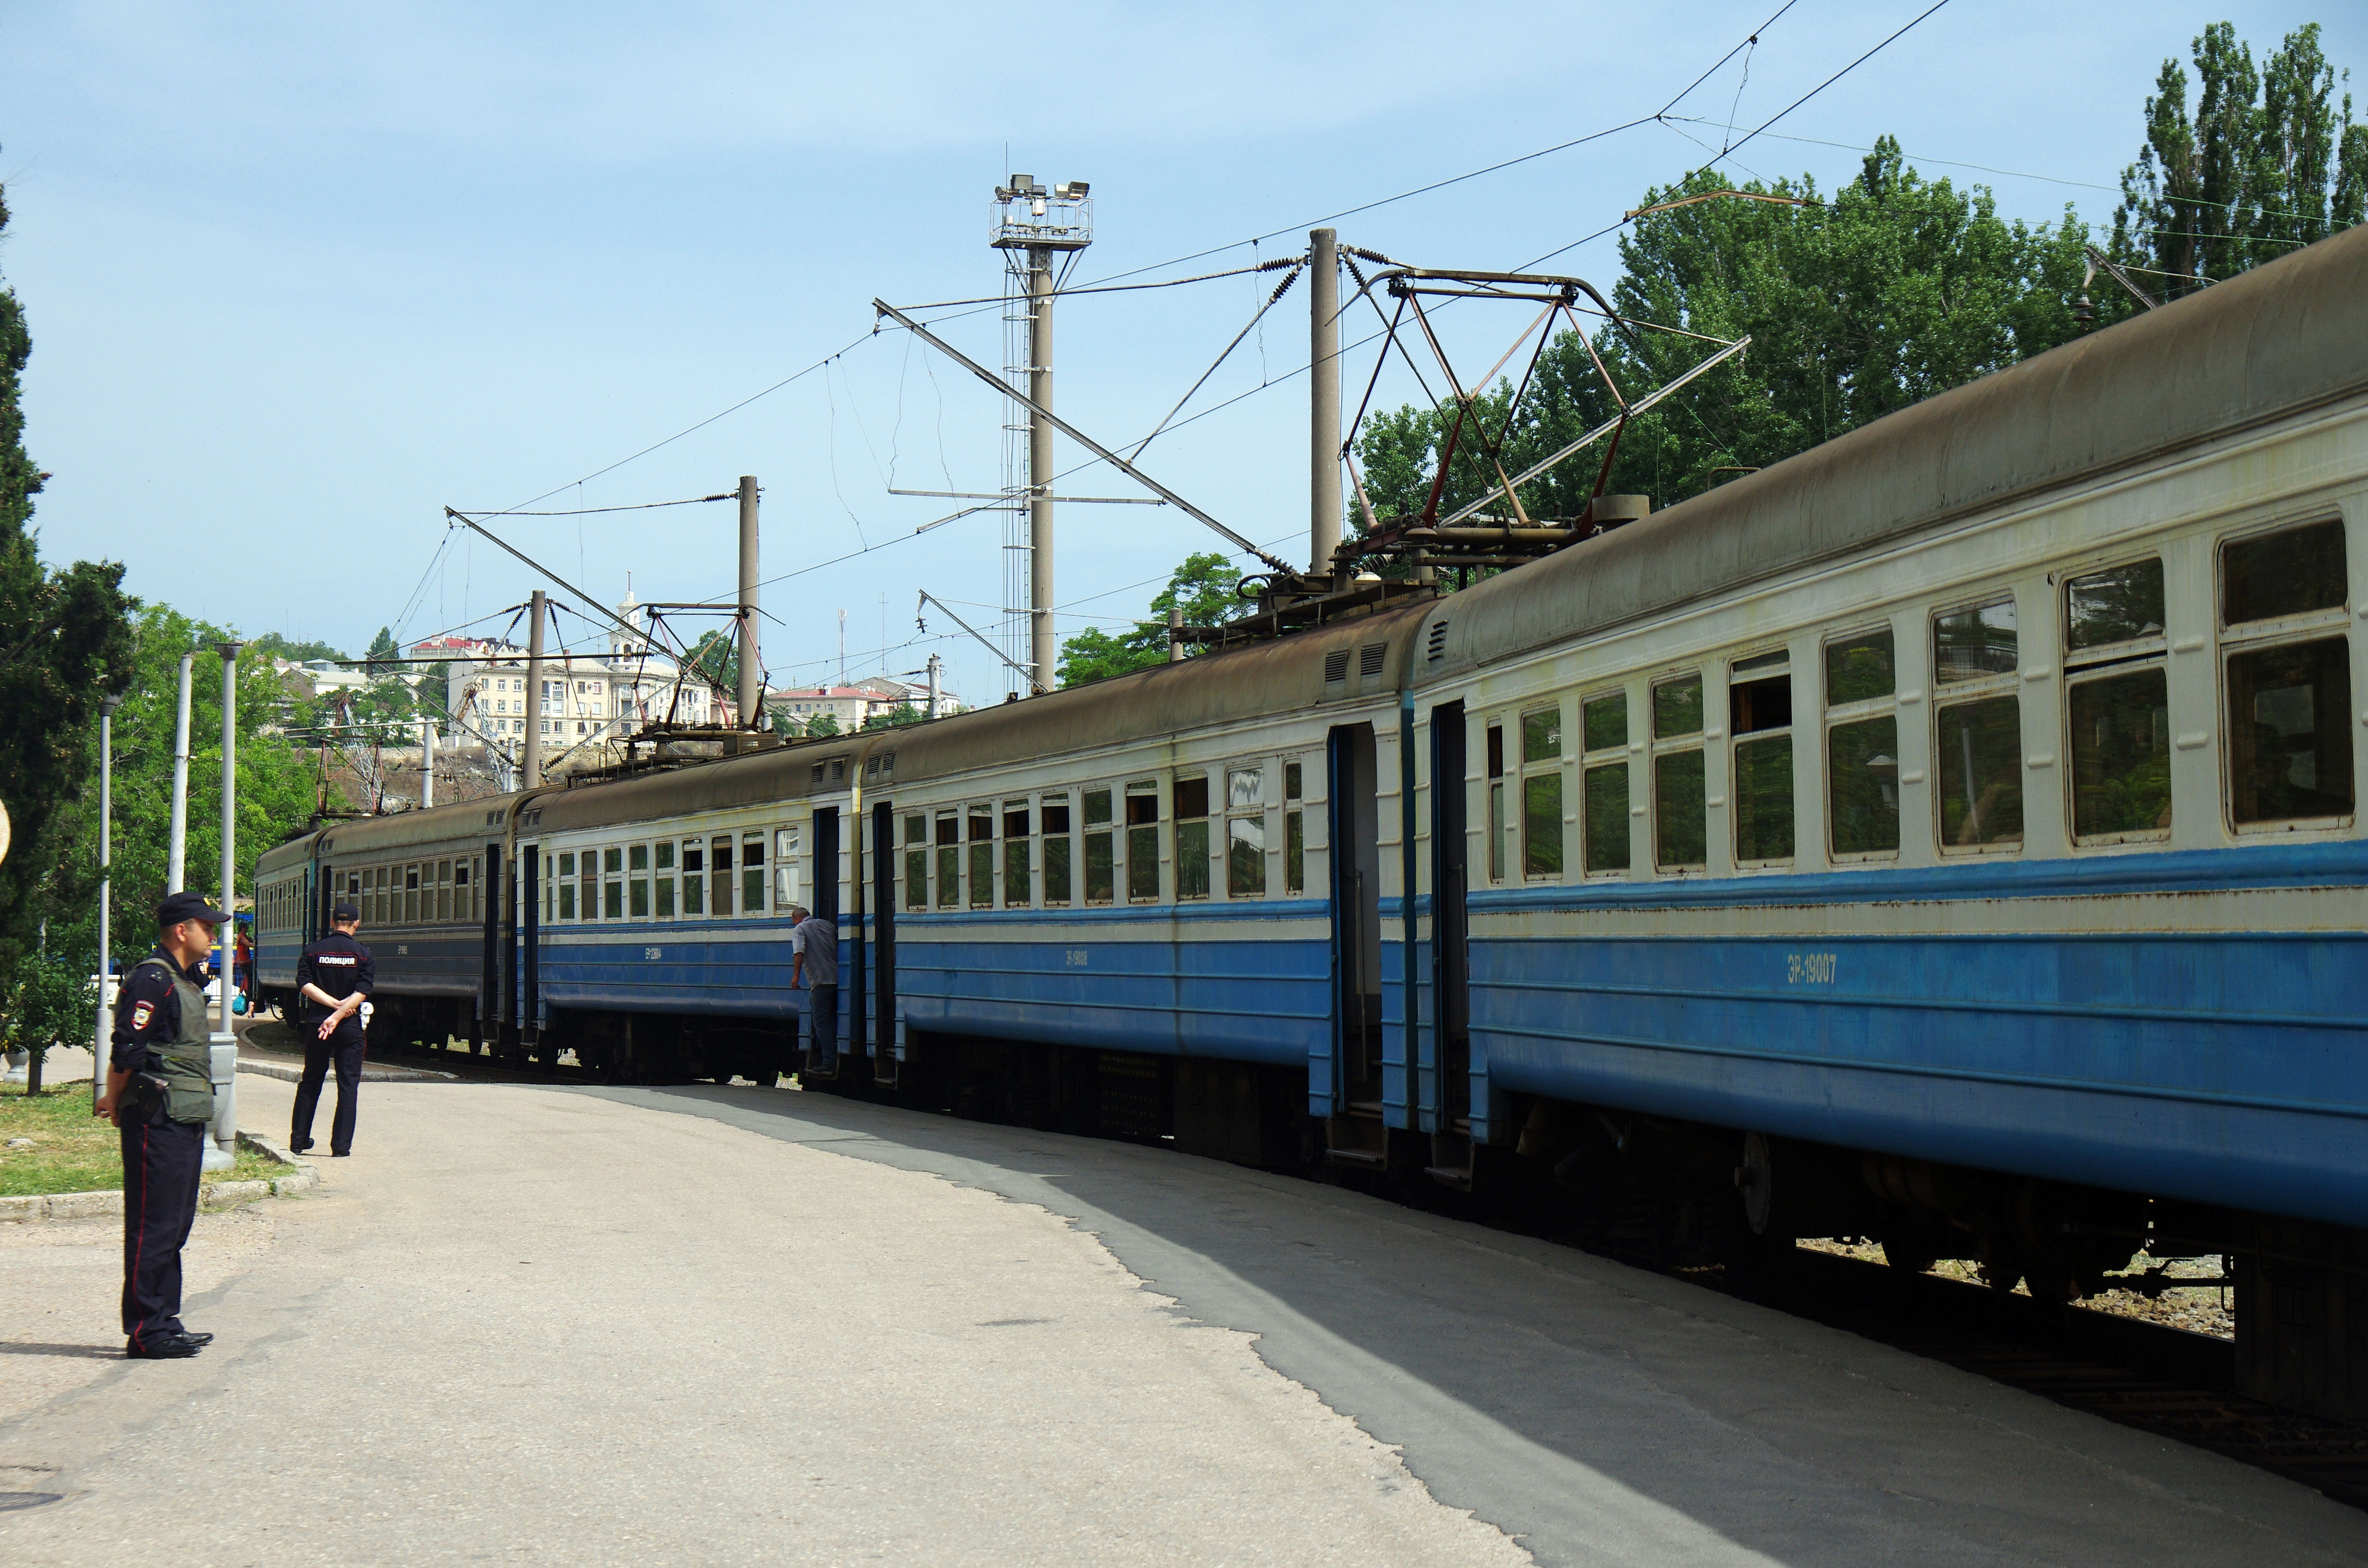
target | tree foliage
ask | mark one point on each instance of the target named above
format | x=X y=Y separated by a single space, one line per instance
x=897 y=718
x=1893 y=289
x=295 y=652
x=1203 y=586
x=2262 y=163
x=65 y=641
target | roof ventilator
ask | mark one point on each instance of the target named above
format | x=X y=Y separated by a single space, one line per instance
x=1437 y=647
x=1370 y=658
x=1335 y=667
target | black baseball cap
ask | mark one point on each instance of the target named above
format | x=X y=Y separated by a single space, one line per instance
x=342 y=910
x=180 y=906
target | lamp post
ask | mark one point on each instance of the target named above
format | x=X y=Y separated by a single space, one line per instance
x=222 y=1052
x=99 y=1050
x=175 y=869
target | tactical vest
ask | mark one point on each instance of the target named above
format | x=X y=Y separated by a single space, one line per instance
x=188 y=1069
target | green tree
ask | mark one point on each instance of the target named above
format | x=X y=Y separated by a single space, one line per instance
x=896 y=718
x=822 y=723
x=715 y=658
x=2263 y=163
x=65 y=641
x=278 y=647
x=1890 y=290
x=1203 y=586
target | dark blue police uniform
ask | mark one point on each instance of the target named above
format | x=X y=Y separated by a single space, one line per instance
x=339 y=966
x=158 y=1014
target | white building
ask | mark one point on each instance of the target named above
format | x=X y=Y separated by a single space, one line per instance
x=587 y=698
x=852 y=705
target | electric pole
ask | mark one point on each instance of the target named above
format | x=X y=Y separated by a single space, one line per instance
x=1040 y=221
x=531 y=754
x=1322 y=400
x=752 y=687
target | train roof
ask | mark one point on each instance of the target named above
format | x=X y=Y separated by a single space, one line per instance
x=1235 y=686
x=2272 y=342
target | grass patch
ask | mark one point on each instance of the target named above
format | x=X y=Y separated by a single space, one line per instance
x=74 y=1150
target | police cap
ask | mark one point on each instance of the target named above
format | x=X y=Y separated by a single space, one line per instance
x=344 y=912
x=180 y=906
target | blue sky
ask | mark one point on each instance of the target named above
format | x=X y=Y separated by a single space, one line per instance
x=299 y=276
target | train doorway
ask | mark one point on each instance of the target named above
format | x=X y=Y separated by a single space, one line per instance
x=530 y=945
x=883 y=942
x=1451 y=970
x=1355 y=838
x=826 y=876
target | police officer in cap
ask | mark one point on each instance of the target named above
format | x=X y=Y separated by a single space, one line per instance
x=334 y=977
x=160 y=1096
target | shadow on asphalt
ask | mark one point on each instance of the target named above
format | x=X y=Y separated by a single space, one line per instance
x=1599 y=1412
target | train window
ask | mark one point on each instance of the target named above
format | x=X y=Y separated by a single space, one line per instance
x=1245 y=832
x=1018 y=869
x=1054 y=820
x=1980 y=753
x=1681 y=780
x=587 y=907
x=1191 y=835
x=612 y=883
x=567 y=884
x=694 y=876
x=1860 y=667
x=2293 y=572
x=410 y=895
x=1760 y=706
x=637 y=883
x=443 y=889
x=1497 y=820
x=719 y=875
x=752 y=873
x=787 y=842
x=1102 y=861
x=1603 y=782
x=1974 y=644
x=2121 y=756
x=662 y=884
x=1294 y=829
x=2119 y=605
x=949 y=859
x=1541 y=794
x=982 y=857
x=916 y=861
x=1142 y=839
x=1863 y=746
x=2289 y=733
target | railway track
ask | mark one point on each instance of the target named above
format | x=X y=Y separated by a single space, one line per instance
x=2168 y=1382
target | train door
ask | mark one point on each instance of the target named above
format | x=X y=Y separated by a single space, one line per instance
x=530 y=942
x=884 y=941
x=489 y=968
x=1450 y=972
x=324 y=885
x=1354 y=837
x=826 y=887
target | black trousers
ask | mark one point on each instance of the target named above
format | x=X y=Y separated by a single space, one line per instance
x=822 y=1007
x=345 y=1049
x=161 y=1161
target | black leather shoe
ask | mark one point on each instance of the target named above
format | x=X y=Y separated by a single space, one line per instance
x=304 y=1148
x=341 y=1154
x=197 y=1337
x=170 y=1348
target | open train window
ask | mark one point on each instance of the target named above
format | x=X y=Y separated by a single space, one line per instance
x=1018 y=872
x=2117 y=703
x=916 y=861
x=1863 y=746
x=694 y=876
x=1191 y=808
x=2286 y=666
x=1759 y=713
x=1541 y=857
x=1978 y=732
x=981 y=855
x=1246 y=831
x=1681 y=779
x=1142 y=838
x=1497 y=818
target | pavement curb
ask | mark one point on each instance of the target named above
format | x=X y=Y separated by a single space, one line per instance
x=302 y=1177
x=288 y=1074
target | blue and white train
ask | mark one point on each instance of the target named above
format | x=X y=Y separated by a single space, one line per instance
x=1948 y=836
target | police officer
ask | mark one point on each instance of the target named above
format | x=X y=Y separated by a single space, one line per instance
x=160 y=1096
x=334 y=977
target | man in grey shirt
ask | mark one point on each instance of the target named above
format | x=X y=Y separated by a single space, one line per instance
x=813 y=942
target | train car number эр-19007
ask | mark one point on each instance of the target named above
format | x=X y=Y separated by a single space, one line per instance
x=1810 y=969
